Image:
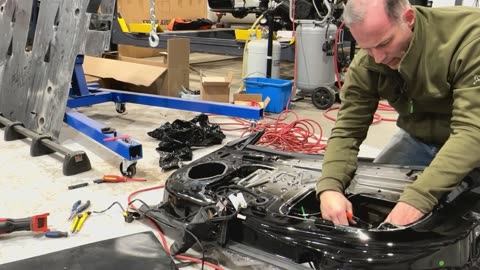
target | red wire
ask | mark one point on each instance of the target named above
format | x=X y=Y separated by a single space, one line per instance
x=377 y=118
x=294 y=34
x=335 y=55
x=293 y=136
x=162 y=236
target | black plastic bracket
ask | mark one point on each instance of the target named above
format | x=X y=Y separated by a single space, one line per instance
x=76 y=162
x=10 y=134
x=37 y=148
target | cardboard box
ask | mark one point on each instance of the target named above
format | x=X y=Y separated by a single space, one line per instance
x=143 y=75
x=253 y=100
x=216 y=88
x=138 y=11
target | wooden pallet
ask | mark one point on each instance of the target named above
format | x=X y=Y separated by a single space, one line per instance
x=37 y=59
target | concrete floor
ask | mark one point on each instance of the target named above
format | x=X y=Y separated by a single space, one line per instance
x=33 y=186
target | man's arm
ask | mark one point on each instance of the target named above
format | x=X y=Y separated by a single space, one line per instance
x=459 y=155
x=359 y=103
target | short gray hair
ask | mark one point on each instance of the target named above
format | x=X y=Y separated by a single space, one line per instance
x=355 y=10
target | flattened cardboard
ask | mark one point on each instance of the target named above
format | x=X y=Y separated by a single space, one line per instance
x=122 y=71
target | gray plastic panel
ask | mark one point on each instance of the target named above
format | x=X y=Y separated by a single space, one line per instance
x=36 y=68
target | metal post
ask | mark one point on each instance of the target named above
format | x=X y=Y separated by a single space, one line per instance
x=270 y=43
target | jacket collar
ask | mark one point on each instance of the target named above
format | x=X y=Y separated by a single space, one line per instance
x=409 y=64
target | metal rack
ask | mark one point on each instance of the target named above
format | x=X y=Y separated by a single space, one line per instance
x=217 y=41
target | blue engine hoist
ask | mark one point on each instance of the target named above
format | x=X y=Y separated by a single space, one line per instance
x=83 y=94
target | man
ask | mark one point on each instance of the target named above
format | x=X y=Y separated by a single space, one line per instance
x=426 y=63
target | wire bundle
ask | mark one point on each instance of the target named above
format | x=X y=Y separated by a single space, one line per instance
x=293 y=136
x=162 y=236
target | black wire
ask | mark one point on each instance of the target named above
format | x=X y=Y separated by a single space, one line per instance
x=188 y=231
x=225 y=218
x=326 y=31
x=144 y=203
x=171 y=227
x=148 y=210
x=344 y=58
x=185 y=229
x=189 y=216
x=307 y=215
x=242 y=188
x=103 y=211
x=200 y=244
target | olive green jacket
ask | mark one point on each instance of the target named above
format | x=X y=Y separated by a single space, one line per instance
x=436 y=92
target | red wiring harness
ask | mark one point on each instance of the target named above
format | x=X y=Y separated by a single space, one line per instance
x=162 y=236
x=292 y=136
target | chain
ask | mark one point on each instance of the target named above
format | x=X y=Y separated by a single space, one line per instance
x=153 y=39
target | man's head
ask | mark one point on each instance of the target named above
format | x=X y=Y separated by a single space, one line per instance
x=382 y=27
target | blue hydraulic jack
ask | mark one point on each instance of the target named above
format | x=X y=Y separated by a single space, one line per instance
x=83 y=94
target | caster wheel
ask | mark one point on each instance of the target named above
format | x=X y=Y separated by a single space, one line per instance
x=130 y=171
x=120 y=107
x=323 y=97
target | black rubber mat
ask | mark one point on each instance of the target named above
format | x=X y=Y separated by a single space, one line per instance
x=136 y=251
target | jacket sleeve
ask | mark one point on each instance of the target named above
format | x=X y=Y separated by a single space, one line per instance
x=359 y=102
x=460 y=153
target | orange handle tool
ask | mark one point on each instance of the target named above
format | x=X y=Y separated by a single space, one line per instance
x=118 y=178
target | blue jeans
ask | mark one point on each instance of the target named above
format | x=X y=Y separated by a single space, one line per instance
x=403 y=149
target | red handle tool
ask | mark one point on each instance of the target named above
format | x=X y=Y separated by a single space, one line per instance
x=36 y=223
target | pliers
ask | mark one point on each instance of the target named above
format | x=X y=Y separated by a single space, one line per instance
x=78 y=208
x=79 y=220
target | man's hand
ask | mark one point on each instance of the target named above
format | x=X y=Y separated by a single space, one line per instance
x=404 y=214
x=334 y=207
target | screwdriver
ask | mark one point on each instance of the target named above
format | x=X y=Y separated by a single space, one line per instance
x=355 y=219
x=56 y=234
x=117 y=178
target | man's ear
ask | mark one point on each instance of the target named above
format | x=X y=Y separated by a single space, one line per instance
x=408 y=17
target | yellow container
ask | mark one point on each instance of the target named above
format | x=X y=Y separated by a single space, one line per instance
x=244 y=34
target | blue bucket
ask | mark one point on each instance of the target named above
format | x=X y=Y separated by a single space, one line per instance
x=278 y=90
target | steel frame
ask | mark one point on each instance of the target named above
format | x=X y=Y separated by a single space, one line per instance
x=130 y=150
x=217 y=41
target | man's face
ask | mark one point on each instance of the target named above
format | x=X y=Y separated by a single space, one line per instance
x=384 y=39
